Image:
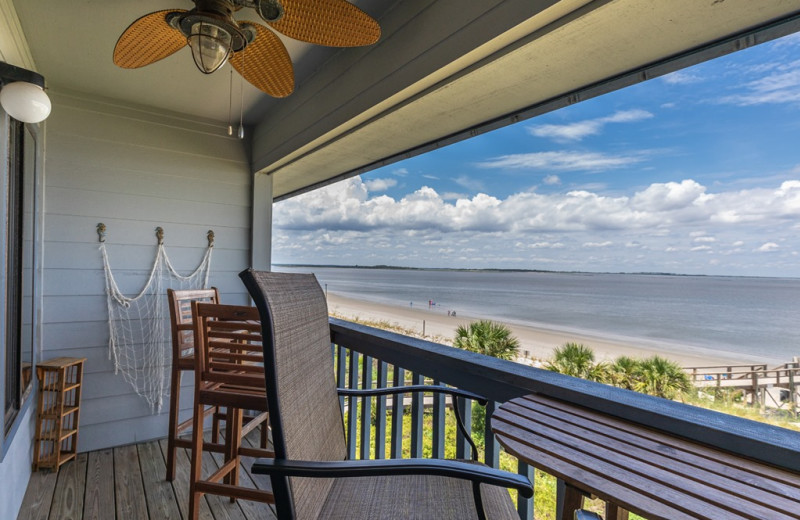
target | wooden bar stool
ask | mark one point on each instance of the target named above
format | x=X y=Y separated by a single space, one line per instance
x=180 y=317
x=229 y=372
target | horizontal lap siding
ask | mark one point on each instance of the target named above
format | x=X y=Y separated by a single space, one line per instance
x=134 y=171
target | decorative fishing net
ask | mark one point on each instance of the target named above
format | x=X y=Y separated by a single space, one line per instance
x=139 y=334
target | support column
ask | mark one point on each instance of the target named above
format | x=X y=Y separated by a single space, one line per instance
x=261 y=224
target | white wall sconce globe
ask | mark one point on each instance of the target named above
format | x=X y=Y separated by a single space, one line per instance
x=25 y=102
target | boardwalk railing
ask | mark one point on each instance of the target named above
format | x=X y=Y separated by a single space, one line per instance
x=756 y=382
x=369 y=358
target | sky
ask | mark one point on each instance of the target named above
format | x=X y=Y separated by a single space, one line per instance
x=695 y=172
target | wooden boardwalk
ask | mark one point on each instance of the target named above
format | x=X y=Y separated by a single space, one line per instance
x=127 y=483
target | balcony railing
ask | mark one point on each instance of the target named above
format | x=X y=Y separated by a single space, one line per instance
x=366 y=356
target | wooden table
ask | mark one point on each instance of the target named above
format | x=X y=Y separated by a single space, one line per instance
x=634 y=468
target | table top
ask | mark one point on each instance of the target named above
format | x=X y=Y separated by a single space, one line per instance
x=644 y=471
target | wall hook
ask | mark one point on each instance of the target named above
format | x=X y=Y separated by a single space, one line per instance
x=101 y=232
x=210 y=236
x=160 y=235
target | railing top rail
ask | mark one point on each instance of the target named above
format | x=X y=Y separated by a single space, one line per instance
x=501 y=380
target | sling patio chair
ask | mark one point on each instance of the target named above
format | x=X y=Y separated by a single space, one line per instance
x=180 y=316
x=310 y=475
x=229 y=372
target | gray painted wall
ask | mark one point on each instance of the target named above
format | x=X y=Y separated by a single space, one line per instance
x=133 y=170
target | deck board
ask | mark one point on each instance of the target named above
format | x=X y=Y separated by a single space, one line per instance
x=128 y=486
x=39 y=496
x=69 y=490
x=127 y=483
x=99 y=503
x=181 y=483
x=160 y=496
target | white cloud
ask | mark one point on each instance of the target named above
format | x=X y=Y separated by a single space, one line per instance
x=580 y=129
x=551 y=180
x=380 y=184
x=345 y=223
x=451 y=195
x=562 y=161
x=681 y=78
x=401 y=172
x=782 y=85
x=469 y=183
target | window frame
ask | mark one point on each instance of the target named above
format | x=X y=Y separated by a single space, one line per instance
x=13 y=136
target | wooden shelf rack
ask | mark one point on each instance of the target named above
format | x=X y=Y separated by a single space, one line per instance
x=58 y=411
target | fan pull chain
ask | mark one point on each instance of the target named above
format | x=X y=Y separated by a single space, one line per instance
x=230 y=105
x=241 y=103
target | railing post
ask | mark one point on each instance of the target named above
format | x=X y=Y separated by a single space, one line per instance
x=463 y=449
x=491 y=455
x=437 y=450
x=525 y=505
x=417 y=411
x=792 y=389
x=352 y=407
x=341 y=371
x=380 y=412
x=366 y=408
x=396 y=449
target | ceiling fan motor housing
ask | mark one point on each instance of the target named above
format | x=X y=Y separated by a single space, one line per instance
x=213 y=12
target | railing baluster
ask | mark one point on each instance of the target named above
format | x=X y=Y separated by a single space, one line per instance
x=366 y=408
x=380 y=412
x=417 y=410
x=352 y=407
x=525 y=505
x=463 y=449
x=438 y=424
x=341 y=371
x=396 y=451
x=492 y=453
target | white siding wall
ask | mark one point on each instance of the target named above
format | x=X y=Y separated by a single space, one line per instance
x=133 y=170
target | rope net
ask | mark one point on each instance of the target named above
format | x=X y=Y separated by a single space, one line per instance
x=139 y=333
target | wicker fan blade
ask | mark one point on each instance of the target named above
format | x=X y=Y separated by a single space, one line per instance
x=335 y=23
x=147 y=40
x=266 y=63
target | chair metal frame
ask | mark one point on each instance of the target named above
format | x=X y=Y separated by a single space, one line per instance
x=280 y=468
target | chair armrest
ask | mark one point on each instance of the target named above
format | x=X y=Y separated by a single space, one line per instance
x=455 y=392
x=476 y=473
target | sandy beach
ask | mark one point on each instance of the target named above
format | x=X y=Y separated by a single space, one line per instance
x=538 y=342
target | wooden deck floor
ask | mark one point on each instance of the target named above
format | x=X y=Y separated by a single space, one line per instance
x=127 y=483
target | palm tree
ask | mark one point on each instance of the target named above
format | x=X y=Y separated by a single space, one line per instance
x=577 y=360
x=661 y=377
x=488 y=338
x=624 y=372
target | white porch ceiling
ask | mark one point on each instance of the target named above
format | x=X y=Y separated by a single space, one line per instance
x=442 y=71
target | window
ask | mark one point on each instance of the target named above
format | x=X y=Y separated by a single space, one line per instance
x=19 y=276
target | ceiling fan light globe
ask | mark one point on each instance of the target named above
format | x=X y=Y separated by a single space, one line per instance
x=211 y=46
x=25 y=102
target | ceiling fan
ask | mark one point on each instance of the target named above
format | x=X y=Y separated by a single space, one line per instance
x=253 y=50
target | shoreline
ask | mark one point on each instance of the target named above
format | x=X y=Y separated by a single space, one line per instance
x=537 y=341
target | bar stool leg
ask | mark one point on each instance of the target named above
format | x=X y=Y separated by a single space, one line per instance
x=197 y=461
x=174 y=400
x=614 y=512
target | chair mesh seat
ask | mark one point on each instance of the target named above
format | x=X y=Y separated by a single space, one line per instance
x=412 y=497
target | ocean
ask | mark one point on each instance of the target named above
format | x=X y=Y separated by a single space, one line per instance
x=754 y=318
